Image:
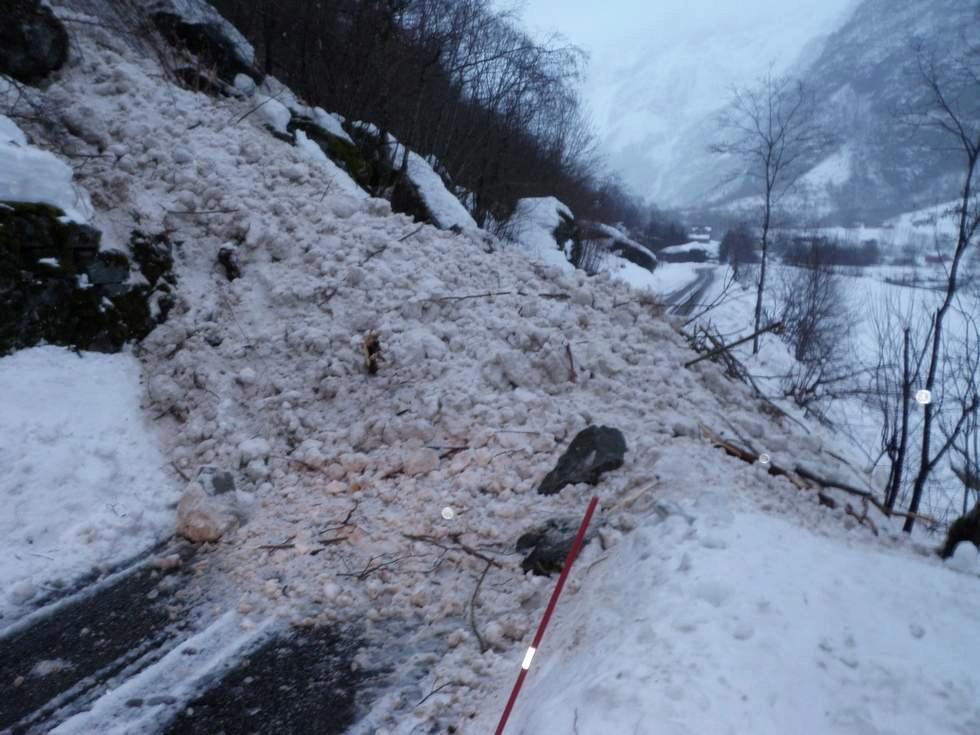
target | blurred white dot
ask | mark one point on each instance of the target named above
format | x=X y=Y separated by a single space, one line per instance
x=763 y=458
x=448 y=513
x=923 y=397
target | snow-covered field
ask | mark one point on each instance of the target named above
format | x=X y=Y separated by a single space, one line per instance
x=84 y=483
x=716 y=616
x=716 y=598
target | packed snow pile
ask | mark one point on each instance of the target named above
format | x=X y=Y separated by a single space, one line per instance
x=84 y=482
x=391 y=397
x=28 y=174
x=533 y=226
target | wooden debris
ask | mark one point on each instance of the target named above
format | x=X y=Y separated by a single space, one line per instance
x=372 y=353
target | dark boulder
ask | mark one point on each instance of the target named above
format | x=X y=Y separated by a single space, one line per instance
x=210 y=43
x=228 y=259
x=965 y=528
x=548 y=545
x=58 y=287
x=595 y=450
x=33 y=42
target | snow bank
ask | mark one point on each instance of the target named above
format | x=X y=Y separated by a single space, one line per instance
x=710 y=248
x=339 y=178
x=28 y=174
x=84 y=481
x=713 y=620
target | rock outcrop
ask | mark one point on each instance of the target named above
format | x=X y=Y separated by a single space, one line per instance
x=33 y=42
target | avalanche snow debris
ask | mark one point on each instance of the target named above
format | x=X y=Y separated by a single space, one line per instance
x=264 y=374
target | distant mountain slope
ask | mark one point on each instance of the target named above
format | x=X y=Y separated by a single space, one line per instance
x=864 y=76
x=651 y=94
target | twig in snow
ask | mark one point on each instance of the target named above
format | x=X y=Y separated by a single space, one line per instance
x=433 y=692
x=449 y=452
x=183 y=475
x=459 y=545
x=287 y=544
x=473 y=601
x=571 y=364
x=192 y=212
x=252 y=111
x=440 y=299
x=775 y=327
x=373 y=254
x=863 y=518
x=411 y=234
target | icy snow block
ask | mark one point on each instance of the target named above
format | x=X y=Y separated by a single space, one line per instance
x=595 y=450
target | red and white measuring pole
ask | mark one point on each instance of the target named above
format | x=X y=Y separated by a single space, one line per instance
x=529 y=656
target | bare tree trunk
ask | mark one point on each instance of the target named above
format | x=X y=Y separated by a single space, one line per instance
x=926 y=463
x=898 y=464
x=766 y=220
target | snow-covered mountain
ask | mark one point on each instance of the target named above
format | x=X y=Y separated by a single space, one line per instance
x=858 y=62
x=653 y=94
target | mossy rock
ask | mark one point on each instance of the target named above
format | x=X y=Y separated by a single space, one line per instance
x=380 y=176
x=86 y=304
x=338 y=150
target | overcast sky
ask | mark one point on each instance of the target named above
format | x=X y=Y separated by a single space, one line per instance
x=595 y=25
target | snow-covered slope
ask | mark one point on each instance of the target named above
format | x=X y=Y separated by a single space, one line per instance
x=372 y=491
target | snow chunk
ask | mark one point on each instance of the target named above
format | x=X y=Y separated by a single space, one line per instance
x=274 y=113
x=331 y=124
x=28 y=174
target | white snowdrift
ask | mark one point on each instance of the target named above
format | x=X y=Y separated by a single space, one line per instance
x=723 y=620
x=532 y=226
x=28 y=174
x=447 y=211
x=83 y=481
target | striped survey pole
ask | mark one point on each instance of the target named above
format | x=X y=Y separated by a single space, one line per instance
x=535 y=644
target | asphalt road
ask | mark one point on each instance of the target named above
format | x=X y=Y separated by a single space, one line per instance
x=684 y=301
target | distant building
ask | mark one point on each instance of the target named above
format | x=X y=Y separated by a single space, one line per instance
x=700 y=234
x=935 y=260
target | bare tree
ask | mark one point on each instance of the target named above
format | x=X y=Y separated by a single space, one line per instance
x=952 y=110
x=899 y=334
x=813 y=308
x=772 y=130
